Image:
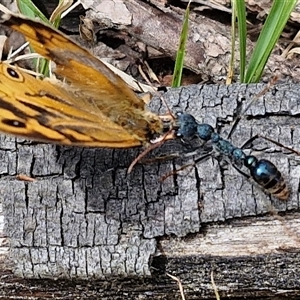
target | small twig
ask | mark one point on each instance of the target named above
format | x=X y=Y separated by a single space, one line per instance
x=179 y=285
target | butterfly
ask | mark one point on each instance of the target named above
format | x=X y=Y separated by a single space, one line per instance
x=91 y=106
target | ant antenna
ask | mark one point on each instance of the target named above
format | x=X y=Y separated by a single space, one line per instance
x=261 y=93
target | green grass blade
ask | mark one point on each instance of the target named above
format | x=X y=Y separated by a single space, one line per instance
x=27 y=8
x=177 y=74
x=242 y=30
x=275 y=23
x=62 y=6
x=232 y=53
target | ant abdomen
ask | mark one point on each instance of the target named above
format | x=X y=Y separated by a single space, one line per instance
x=267 y=176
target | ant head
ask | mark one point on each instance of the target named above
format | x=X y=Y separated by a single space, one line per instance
x=186 y=125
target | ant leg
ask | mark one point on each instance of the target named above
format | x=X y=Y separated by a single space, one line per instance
x=163 y=178
x=202 y=158
x=270 y=140
x=241 y=172
x=255 y=98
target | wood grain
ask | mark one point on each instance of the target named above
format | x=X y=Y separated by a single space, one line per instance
x=84 y=218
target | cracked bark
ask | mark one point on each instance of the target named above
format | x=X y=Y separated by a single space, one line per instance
x=83 y=218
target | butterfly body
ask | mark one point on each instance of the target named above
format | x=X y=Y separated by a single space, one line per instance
x=92 y=107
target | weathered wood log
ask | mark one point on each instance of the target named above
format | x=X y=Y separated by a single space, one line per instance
x=208 y=48
x=84 y=218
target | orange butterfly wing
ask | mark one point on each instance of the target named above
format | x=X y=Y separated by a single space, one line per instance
x=94 y=108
